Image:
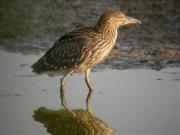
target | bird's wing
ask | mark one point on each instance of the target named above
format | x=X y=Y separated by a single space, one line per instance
x=65 y=53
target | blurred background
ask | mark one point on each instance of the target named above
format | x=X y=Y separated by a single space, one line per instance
x=29 y=26
x=43 y=22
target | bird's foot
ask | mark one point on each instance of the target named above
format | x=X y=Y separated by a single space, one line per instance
x=70 y=112
x=64 y=104
x=89 y=110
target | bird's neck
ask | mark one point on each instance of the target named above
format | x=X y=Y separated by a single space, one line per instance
x=107 y=32
x=105 y=27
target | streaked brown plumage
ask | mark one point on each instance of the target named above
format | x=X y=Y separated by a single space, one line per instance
x=82 y=49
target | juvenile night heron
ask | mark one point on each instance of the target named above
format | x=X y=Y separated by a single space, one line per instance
x=80 y=50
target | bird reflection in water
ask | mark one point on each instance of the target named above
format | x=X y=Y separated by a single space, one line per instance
x=74 y=122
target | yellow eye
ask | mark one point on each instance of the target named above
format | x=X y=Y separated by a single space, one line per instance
x=122 y=16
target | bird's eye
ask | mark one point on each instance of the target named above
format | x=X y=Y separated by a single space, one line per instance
x=122 y=16
x=122 y=22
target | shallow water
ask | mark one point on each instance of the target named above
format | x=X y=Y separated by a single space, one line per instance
x=128 y=101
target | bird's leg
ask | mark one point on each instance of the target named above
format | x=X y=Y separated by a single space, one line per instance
x=88 y=98
x=62 y=97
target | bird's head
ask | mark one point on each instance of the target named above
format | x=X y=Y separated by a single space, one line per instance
x=114 y=18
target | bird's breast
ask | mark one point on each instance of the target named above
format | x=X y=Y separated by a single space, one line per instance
x=99 y=49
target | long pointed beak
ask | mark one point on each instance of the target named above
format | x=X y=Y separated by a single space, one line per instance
x=130 y=20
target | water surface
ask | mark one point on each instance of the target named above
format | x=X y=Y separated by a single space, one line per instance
x=132 y=101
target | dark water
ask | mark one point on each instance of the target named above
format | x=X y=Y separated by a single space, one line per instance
x=44 y=21
x=33 y=26
x=30 y=27
x=124 y=102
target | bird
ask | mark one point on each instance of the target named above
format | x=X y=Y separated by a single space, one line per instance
x=82 y=49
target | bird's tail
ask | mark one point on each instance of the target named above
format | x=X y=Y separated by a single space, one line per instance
x=39 y=66
x=36 y=67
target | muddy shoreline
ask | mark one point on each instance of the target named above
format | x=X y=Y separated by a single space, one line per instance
x=121 y=57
